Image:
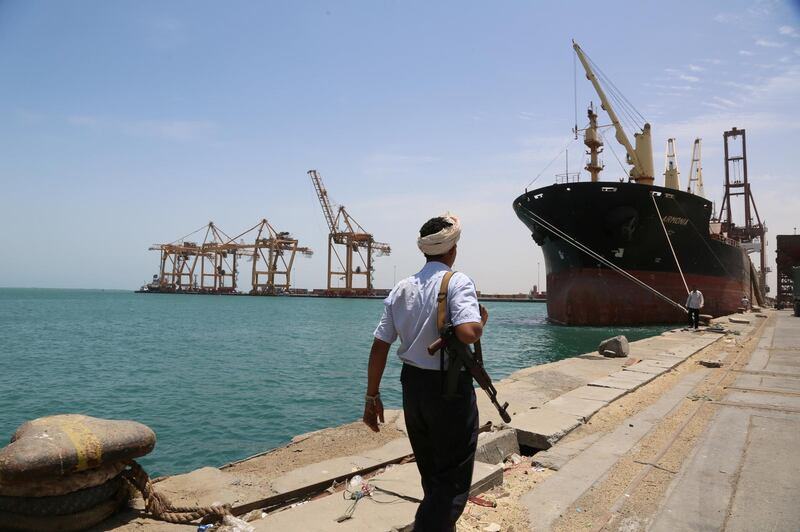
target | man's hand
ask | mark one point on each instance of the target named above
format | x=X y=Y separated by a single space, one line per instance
x=373 y=409
x=373 y=412
x=484 y=315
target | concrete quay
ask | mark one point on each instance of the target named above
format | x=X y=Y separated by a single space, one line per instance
x=558 y=409
x=716 y=451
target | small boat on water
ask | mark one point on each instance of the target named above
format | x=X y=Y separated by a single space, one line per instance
x=627 y=251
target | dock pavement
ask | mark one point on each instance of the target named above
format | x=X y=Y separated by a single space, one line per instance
x=718 y=451
x=654 y=440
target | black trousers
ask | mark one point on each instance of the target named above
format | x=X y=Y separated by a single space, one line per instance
x=444 y=436
x=694 y=317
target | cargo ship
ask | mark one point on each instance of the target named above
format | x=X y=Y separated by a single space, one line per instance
x=626 y=252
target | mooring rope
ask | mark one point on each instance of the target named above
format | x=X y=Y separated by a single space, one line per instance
x=669 y=241
x=558 y=232
x=702 y=238
x=157 y=504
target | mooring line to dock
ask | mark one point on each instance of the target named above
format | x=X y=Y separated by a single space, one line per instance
x=669 y=241
x=702 y=239
x=581 y=247
x=160 y=507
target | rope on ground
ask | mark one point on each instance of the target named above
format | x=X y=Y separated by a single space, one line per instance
x=157 y=504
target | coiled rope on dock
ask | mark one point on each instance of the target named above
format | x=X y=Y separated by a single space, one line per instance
x=160 y=507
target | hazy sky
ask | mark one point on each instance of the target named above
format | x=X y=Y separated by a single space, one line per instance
x=123 y=124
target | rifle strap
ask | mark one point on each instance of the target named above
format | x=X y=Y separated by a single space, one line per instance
x=441 y=300
x=441 y=318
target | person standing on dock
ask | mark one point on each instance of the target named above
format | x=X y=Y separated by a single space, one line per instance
x=693 y=304
x=443 y=432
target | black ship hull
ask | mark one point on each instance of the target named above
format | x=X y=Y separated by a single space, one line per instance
x=620 y=222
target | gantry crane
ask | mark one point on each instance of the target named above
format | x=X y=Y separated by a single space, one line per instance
x=345 y=232
x=180 y=259
x=217 y=259
x=277 y=251
x=753 y=234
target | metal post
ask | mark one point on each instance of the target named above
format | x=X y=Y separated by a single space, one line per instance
x=330 y=252
x=348 y=282
x=369 y=265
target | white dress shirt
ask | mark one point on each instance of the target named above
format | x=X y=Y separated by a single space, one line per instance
x=695 y=299
x=409 y=312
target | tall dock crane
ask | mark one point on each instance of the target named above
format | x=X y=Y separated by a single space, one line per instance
x=277 y=251
x=356 y=244
x=212 y=267
x=753 y=234
x=182 y=261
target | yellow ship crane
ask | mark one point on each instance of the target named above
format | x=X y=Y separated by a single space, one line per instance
x=639 y=157
x=356 y=245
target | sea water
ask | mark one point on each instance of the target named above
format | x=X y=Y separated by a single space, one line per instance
x=219 y=378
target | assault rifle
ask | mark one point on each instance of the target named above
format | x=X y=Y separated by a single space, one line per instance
x=460 y=355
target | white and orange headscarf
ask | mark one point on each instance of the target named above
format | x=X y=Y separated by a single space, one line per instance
x=443 y=241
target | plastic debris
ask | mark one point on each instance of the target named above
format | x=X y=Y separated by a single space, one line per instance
x=204 y=528
x=515 y=458
x=480 y=501
x=537 y=469
x=252 y=516
x=234 y=524
x=492 y=527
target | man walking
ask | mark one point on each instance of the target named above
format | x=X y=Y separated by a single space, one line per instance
x=443 y=432
x=693 y=304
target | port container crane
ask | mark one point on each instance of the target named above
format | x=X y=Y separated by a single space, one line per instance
x=355 y=243
x=212 y=266
x=276 y=251
x=181 y=260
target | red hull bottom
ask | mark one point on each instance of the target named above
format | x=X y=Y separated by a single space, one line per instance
x=601 y=297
